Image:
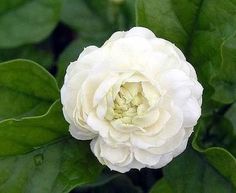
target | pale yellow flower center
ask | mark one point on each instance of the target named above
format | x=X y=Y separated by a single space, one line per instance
x=128 y=103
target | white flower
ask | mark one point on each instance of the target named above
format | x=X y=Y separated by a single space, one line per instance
x=136 y=97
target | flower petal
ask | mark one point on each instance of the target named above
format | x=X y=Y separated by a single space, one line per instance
x=100 y=126
x=145 y=157
x=80 y=133
x=140 y=32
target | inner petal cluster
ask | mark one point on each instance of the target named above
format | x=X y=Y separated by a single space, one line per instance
x=129 y=103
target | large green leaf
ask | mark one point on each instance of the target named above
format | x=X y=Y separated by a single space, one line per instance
x=170 y=19
x=205 y=31
x=55 y=168
x=26 y=89
x=191 y=173
x=217 y=156
x=27 y=21
x=29 y=133
x=38 y=53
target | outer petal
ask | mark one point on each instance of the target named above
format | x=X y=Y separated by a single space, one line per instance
x=116 y=158
x=115 y=36
x=69 y=92
x=80 y=133
x=87 y=51
x=146 y=157
x=88 y=90
x=164 y=160
x=174 y=124
x=169 y=145
x=140 y=32
x=191 y=112
x=100 y=126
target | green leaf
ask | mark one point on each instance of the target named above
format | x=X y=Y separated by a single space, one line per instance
x=224 y=79
x=27 y=21
x=26 y=89
x=29 y=133
x=38 y=53
x=217 y=156
x=170 y=19
x=87 y=23
x=191 y=173
x=117 y=13
x=205 y=31
x=161 y=186
x=217 y=130
x=56 y=168
x=230 y=114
